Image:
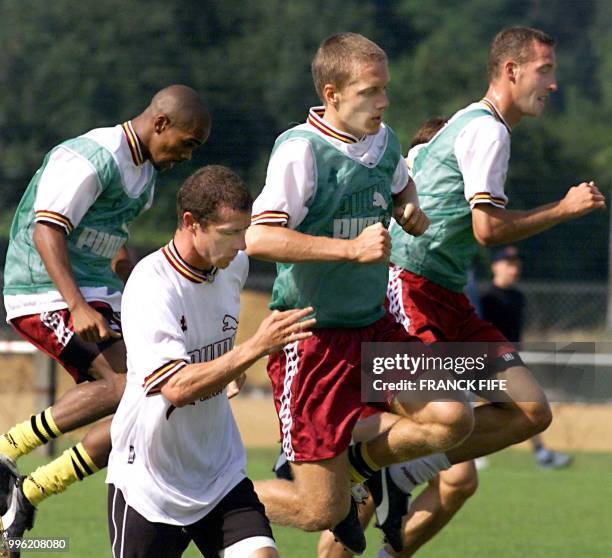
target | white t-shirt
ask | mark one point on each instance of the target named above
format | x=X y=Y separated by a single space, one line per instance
x=291 y=177
x=173 y=465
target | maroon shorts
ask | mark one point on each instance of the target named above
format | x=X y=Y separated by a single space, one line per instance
x=317 y=388
x=432 y=313
x=53 y=333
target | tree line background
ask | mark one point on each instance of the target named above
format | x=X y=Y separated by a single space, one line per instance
x=67 y=67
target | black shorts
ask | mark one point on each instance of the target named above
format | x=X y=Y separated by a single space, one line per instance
x=238 y=516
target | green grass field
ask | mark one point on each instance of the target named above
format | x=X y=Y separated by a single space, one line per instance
x=519 y=510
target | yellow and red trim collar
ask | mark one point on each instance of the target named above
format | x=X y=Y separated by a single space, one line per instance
x=189 y=272
x=133 y=143
x=491 y=106
x=315 y=119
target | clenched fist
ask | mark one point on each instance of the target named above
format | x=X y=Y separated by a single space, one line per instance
x=373 y=245
x=413 y=220
x=582 y=199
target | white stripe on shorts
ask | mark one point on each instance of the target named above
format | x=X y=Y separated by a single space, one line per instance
x=284 y=414
x=54 y=321
x=394 y=294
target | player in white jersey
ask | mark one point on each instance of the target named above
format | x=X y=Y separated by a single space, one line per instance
x=65 y=268
x=177 y=468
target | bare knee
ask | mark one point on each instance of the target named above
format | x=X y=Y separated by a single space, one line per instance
x=536 y=417
x=457 y=486
x=454 y=421
x=323 y=516
x=541 y=417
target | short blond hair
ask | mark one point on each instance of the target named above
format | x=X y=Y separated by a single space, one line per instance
x=336 y=59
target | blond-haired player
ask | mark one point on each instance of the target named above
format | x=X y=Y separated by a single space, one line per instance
x=332 y=186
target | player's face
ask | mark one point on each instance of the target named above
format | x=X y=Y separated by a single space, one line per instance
x=171 y=145
x=507 y=272
x=218 y=243
x=359 y=105
x=535 y=80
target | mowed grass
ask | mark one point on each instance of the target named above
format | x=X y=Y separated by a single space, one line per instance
x=519 y=510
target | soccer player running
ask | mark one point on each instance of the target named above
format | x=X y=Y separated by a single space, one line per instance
x=445 y=494
x=460 y=178
x=64 y=273
x=177 y=468
x=332 y=186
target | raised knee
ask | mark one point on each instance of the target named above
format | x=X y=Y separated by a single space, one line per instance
x=322 y=517
x=466 y=488
x=455 y=422
x=458 y=484
x=540 y=417
x=533 y=418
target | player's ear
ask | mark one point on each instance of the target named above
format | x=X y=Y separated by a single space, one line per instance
x=511 y=70
x=189 y=221
x=330 y=94
x=160 y=123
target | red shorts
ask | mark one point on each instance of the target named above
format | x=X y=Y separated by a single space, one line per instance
x=317 y=388
x=53 y=333
x=432 y=313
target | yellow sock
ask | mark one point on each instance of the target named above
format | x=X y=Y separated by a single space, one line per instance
x=74 y=464
x=28 y=435
x=361 y=465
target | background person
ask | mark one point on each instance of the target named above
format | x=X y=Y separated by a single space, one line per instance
x=503 y=305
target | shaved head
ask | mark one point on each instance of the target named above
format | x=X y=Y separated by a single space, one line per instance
x=175 y=123
x=183 y=106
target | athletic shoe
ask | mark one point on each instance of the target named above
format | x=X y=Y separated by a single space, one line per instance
x=549 y=459
x=349 y=532
x=282 y=468
x=20 y=516
x=391 y=505
x=8 y=477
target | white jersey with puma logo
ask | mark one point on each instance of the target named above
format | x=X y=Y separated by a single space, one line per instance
x=173 y=465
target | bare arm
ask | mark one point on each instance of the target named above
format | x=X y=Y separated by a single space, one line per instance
x=195 y=381
x=492 y=225
x=50 y=241
x=280 y=244
x=407 y=212
x=122 y=263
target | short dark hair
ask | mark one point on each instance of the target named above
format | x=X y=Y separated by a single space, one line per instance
x=428 y=130
x=209 y=189
x=516 y=43
x=337 y=59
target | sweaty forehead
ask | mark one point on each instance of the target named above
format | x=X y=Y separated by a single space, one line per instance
x=543 y=54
